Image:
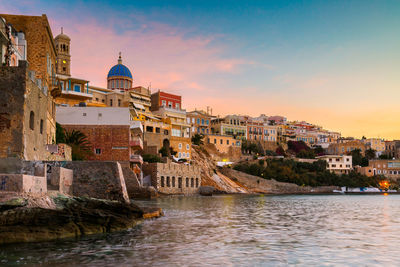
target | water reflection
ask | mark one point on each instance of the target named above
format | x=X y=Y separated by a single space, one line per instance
x=238 y=231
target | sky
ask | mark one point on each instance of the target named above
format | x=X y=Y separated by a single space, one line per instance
x=332 y=63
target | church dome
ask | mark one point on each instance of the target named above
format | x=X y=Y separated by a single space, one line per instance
x=62 y=36
x=119 y=70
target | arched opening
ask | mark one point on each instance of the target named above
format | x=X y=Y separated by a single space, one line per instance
x=32 y=120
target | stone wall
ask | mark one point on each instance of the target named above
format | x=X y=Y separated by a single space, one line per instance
x=60 y=179
x=172 y=178
x=59 y=152
x=97 y=179
x=22 y=135
x=23 y=183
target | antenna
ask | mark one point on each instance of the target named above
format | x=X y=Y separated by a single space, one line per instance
x=62 y=30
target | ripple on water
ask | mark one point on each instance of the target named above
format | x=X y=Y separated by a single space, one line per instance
x=238 y=231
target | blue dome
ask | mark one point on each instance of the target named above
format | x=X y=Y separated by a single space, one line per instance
x=119 y=70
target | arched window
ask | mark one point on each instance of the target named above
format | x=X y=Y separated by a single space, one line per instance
x=32 y=120
x=112 y=84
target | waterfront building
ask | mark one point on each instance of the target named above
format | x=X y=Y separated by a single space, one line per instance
x=343 y=148
x=387 y=168
x=12 y=45
x=41 y=57
x=223 y=143
x=233 y=125
x=168 y=107
x=172 y=178
x=200 y=121
x=392 y=149
x=338 y=164
x=113 y=136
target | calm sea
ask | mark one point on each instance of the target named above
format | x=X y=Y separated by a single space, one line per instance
x=316 y=230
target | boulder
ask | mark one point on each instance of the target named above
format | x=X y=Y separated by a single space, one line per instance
x=206 y=190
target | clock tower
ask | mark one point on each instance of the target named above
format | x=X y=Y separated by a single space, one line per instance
x=63 y=62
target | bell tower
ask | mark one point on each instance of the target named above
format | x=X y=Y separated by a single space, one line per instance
x=63 y=62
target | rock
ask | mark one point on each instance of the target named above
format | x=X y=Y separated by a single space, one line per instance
x=72 y=217
x=206 y=190
x=13 y=203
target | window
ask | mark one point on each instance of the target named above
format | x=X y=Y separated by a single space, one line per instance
x=207 y=122
x=162 y=181
x=202 y=121
x=180 y=145
x=188 y=120
x=221 y=141
x=188 y=155
x=163 y=103
x=177 y=106
x=97 y=151
x=179 y=155
x=198 y=121
x=117 y=84
x=227 y=142
x=215 y=141
x=187 y=147
x=158 y=130
x=187 y=182
x=32 y=120
x=41 y=126
x=119 y=102
x=183 y=155
x=169 y=104
x=112 y=84
x=111 y=102
x=77 y=88
x=168 y=182
x=191 y=182
x=180 y=182
x=197 y=182
x=192 y=120
x=173 y=181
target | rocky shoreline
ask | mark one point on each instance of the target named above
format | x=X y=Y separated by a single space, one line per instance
x=45 y=218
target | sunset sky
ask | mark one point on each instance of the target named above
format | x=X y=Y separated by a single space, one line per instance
x=332 y=63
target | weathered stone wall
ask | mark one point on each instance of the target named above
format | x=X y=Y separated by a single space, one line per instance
x=19 y=97
x=131 y=181
x=23 y=183
x=172 y=178
x=60 y=179
x=97 y=179
x=64 y=152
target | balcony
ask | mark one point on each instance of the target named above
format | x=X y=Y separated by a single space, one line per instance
x=75 y=93
x=136 y=159
x=136 y=143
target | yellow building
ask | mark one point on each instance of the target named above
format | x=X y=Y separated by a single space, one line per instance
x=223 y=142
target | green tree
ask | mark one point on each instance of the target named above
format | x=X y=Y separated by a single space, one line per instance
x=60 y=134
x=81 y=148
x=370 y=153
x=197 y=139
x=151 y=158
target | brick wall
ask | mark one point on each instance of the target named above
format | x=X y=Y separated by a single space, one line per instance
x=113 y=140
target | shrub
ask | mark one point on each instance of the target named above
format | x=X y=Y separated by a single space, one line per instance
x=151 y=158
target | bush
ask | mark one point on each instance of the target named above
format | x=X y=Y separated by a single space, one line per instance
x=151 y=158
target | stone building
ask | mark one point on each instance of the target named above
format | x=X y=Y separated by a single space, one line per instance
x=23 y=114
x=344 y=148
x=392 y=149
x=387 y=168
x=173 y=178
x=41 y=56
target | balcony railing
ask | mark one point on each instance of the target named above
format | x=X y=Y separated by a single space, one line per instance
x=136 y=158
x=136 y=142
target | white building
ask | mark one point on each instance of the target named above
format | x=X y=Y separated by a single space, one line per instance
x=338 y=164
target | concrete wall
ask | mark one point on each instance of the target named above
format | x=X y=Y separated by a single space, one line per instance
x=93 y=116
x=23 y=183
x=166 y=177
